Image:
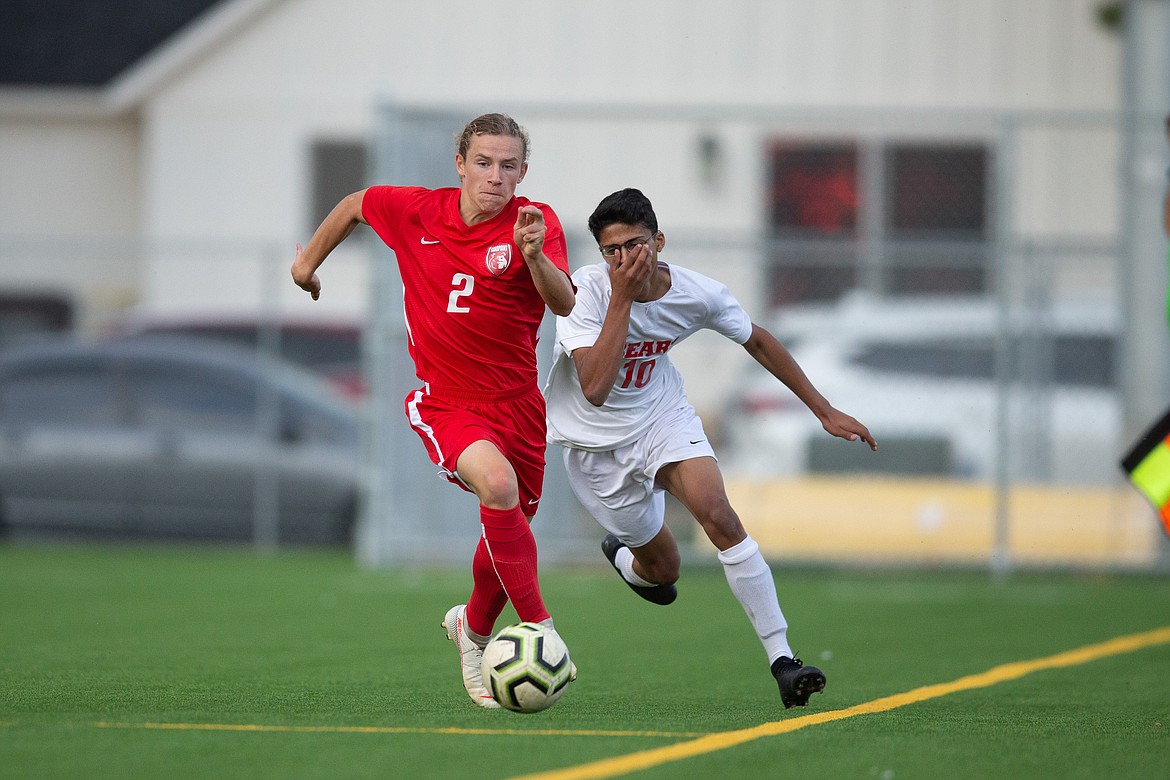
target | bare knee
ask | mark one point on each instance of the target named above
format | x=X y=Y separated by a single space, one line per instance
x=662 y=568
x=486 y=471
x=497 y=488
x=494 y=483
x=722 y=525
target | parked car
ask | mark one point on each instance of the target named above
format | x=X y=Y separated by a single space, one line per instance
x=28 y=316
x=330 y=348
x=921 y=374
x=170 y=437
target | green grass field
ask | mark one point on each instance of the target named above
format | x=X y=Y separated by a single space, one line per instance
x=125 y=662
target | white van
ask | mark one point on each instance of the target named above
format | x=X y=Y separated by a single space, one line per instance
x=921 y=374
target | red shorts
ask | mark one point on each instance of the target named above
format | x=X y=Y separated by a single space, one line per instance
x=516 y=426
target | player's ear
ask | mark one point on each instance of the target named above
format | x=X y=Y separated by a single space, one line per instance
x=659 y=241
x=459 y=166
x=523 y=170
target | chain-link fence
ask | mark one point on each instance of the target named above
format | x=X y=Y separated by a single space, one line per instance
x=952 y=281
x=953 y=286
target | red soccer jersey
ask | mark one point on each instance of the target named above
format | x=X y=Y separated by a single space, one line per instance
x=472 y=310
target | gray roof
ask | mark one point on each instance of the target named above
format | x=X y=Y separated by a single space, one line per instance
x=84 y=43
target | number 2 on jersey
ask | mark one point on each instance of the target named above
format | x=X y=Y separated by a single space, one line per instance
x=639 y=378
x=463 y=285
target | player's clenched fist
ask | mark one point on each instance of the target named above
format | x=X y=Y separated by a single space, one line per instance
x=304 y=276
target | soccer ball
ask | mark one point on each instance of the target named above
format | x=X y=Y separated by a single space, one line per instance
x=526 y=667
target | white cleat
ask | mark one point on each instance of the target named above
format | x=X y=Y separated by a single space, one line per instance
x=470 y=657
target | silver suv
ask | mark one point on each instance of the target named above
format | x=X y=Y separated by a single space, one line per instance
x=169 y=437
x=922 y=375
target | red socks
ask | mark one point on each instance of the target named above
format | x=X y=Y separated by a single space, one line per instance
x=503 y=569
x=487 y=594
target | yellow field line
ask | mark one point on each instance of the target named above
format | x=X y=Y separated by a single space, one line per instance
x=633 y=762
x=700 y=743
x=260 y=727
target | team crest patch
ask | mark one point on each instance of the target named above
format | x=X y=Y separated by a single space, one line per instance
x=499 y=257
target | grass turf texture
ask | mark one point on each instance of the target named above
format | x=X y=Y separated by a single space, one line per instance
x=309 y=641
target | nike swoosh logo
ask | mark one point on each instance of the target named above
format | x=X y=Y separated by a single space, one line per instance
x=534 y=501
x=697 y=442
x=425 y=241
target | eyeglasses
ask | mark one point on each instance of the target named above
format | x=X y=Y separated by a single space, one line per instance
x=609 y=250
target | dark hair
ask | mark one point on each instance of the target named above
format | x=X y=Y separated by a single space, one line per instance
x=625 y=207
x=492 y=124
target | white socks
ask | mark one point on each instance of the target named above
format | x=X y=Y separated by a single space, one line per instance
x=751 y=582
x=625 y=563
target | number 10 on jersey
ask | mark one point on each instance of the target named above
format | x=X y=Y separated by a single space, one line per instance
x=637 y=373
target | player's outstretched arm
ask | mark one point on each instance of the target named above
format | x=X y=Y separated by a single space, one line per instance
x=772 y=355
x=551 y=282
x=340 y=222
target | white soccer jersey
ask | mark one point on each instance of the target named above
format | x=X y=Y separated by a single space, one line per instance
x=648 y=384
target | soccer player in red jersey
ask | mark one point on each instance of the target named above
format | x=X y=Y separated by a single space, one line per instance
x=478 y=267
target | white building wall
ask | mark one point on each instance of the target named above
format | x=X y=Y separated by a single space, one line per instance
x=70 y=210
x=228 y=139
x=69 y=177
x=224 y=149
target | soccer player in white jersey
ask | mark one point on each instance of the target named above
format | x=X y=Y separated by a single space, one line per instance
x=617 y=405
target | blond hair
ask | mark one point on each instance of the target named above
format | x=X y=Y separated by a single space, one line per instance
x=492 y=124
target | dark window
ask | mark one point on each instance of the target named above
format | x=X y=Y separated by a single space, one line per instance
x=339 y=168
x=958 y=359
x=936 y=222
x=922 y=230
x=814 y=189
x=315 y=425
x=176 y=398
x=1084 y=360
x=84 y=396
x=814 y=216
x=936 y=191
x=935 y=267
x=320 y=348
x=23 y=316
x=807 y=272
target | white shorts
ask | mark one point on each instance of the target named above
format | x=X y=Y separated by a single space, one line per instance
x=617 y=486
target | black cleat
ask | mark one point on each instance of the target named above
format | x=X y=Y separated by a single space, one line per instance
x=797 y=682
x=658 y=594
